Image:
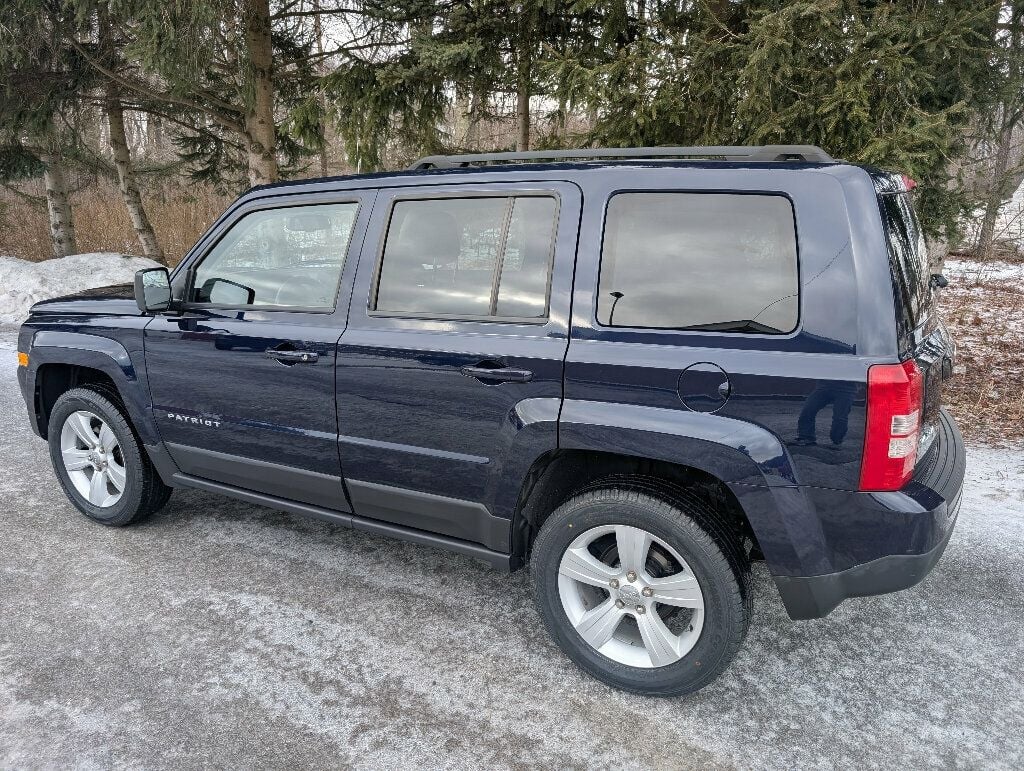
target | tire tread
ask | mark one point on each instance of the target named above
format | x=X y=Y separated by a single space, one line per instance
x=681 y=508
x=154 y=493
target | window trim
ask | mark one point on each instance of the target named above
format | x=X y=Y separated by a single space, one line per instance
x=510 y=196
x=596 y=321
x=190 y=271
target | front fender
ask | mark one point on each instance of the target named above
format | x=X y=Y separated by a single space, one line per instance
x=749 y=459
x=93 y=352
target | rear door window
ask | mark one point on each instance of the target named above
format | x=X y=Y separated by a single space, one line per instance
x=699 y=261
x=476 y=258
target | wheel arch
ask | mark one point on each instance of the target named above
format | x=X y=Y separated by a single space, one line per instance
x=560 y=474
x=735 y=465
x=64 y=360
x=54 y=379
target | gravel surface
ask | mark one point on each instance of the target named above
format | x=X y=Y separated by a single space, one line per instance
x=223 y=634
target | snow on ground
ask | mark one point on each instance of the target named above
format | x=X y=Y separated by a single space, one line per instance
x=983 y=306
x=23 y=283
x=974 y=271
x=218 y=631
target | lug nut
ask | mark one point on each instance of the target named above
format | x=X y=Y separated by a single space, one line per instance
x=614 y=583
x=620 y=604
x=631 y=576
x=647 y=592
x=640 y=610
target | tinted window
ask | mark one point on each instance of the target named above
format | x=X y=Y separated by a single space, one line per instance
x=472 y=257
x=289 y=257
x=699 y=260
x=523 y=286
x=908 y=257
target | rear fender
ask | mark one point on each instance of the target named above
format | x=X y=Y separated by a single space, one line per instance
x=749 y=459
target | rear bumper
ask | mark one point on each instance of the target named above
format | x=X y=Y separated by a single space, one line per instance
x=816 y=596
x=912 y=527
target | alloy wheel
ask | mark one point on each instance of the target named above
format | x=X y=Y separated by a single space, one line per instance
x=93 y=459
x=631 y=596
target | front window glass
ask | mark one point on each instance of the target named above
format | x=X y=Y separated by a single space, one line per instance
x=288 y=258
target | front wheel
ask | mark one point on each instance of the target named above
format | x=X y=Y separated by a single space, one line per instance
x=100 y=462
x=638 y=592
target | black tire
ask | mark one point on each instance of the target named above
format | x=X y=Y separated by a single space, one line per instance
x=698 y=534
x=144 y=492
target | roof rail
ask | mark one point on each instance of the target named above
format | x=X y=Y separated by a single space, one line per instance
x=751 y=153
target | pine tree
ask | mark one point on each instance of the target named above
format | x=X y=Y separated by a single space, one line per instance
x=886 y=83
x=231 y=72
x=430 y=58
x=38 y=106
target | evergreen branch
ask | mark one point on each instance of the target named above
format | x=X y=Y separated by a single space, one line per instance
x=148 y=90
x=35 y=200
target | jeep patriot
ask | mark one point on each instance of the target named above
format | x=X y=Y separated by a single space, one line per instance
x=636 y=371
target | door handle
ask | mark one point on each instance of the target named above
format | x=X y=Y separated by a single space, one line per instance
x=502 y=374
x=293 y=357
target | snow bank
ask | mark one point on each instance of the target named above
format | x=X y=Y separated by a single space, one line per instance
x=23 y=283
x=997 y=270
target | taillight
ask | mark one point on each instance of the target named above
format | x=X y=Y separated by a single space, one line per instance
x=908 y=183
x=893 y=426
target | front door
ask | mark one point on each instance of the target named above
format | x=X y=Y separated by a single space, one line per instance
x=242 y=382
x=450 y=369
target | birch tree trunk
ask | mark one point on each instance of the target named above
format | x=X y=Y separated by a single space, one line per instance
x=260 y=133
x=1003 y=183
x=474 y=140
x=318 y=33
x=996 y=194
x=126 y=179
x=523 y=115
x=58 y=205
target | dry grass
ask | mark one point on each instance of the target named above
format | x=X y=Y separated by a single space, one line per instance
x=984 y=309
x=179 y=217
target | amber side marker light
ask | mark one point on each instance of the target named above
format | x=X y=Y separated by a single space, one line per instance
x=22 y=359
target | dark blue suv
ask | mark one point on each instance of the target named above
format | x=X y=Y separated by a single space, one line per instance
x=636 y=370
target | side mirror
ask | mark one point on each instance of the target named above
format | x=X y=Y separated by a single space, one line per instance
x=153 y=290
x=939 y=281
x=222 y=291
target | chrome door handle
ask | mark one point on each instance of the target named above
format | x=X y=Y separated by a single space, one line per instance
x=293 y=357
x=502 y=374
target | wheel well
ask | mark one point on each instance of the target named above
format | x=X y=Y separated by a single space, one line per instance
x=52 y=380
x=560 y=474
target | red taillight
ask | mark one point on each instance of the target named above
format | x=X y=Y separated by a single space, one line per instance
x=908 y=183
x=893 y=426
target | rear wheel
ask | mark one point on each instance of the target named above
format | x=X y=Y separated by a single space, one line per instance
x=639 y=592
x=100 y=462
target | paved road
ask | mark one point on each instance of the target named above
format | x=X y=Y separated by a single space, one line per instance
x=222 y=634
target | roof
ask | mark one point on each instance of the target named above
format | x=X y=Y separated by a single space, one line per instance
x=590 y=158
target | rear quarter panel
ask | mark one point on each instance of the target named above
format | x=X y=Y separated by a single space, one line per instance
x=846 y=318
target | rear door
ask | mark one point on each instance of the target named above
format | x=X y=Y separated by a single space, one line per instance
x=242 y=382
x=450 y=370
